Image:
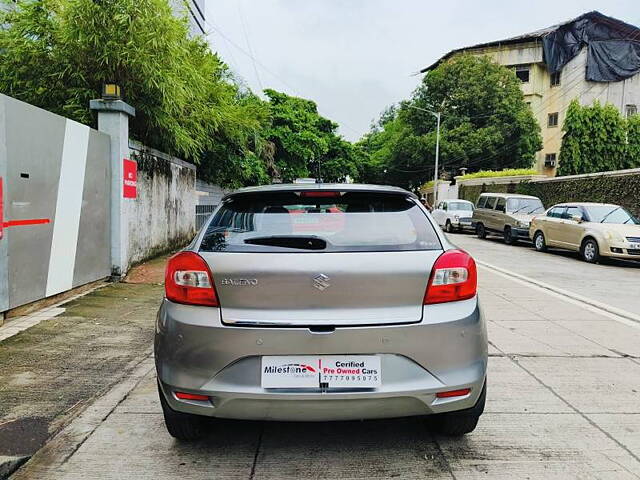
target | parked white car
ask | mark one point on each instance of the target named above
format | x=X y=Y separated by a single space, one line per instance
x=454 y=215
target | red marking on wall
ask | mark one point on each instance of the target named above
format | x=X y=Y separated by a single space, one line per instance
x=31 y=221
x=130 y=178
x=1 y=209
x=15 y=223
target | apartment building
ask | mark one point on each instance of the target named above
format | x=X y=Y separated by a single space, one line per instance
x=592 y=57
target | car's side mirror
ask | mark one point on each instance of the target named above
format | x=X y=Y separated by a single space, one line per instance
x=576 y=218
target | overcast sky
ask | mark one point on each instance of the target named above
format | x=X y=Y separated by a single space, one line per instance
x=355 y=57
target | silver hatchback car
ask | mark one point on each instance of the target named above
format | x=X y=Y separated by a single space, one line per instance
x=317 y=302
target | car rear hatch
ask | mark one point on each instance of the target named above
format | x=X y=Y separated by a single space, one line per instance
x=331 y=258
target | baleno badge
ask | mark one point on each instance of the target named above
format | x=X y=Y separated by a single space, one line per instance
x=240 y=282
x=321 y=282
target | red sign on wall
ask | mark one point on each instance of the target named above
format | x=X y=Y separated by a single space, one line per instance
x=130 y=179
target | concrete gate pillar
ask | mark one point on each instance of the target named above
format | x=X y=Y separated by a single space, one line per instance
x=113 y=119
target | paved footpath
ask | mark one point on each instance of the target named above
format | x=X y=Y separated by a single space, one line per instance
x=56 y=362
x=563 y=403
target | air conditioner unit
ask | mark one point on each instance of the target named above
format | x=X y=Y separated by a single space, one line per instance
x=550 y=163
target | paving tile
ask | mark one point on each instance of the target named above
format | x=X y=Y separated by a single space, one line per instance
x=625 y=428
x=542 y=338
x=610 y=334
x=138 y=446
x=144 y=399
x=538 y=446
x=401 y=448
x=512 y=390
x=552 y=309
x=592 y=385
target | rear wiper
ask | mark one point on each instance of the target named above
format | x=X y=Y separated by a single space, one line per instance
x=303 y=242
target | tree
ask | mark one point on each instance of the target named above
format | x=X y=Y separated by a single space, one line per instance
x=597 y=139
x=57 y=54
x=306 y=144
x=486 y=124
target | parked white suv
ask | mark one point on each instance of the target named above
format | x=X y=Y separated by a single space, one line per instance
x=454 y=214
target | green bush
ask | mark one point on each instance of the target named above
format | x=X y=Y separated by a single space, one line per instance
x=621 y=190
x=509 y=172
x=598 y=138
x=472 y=192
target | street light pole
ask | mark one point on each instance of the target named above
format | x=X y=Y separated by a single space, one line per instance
x=435 y=175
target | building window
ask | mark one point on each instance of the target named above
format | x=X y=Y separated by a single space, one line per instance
x=522 y=72
x=552 y=120
x=555 y=79
x=631 y=110
x=550 y=160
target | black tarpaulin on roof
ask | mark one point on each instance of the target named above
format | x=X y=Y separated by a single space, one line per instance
x=613 y=48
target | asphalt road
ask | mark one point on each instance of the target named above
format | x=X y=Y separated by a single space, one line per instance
x=563 y=403
x=613 y=282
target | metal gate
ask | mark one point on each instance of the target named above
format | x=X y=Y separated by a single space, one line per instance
x=202 y=214
x=55 y=212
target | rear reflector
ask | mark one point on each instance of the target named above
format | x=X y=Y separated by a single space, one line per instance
x=320 y=194
x=454 y=393
x=453 y=277
x=189 y=281
x=191 y=396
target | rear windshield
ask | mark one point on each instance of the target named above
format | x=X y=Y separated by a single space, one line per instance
x=335 y=222
x=461 y=206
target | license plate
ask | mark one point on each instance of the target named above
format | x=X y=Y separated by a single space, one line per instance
x=323 y=371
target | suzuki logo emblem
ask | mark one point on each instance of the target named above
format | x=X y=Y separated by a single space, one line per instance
x=321 y=282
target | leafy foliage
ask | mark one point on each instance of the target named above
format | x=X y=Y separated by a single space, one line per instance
x=597 y=139
x=306 y=144
x=485 y=124
x=57 y=54
x=509 y=172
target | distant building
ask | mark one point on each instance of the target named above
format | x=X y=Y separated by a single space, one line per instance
x=592 y=57
x=194 y=10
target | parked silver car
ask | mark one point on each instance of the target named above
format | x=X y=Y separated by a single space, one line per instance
x=320 y=302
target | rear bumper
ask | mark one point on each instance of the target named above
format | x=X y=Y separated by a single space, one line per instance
x=196 y=353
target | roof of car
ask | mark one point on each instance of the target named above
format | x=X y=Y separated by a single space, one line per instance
x=457 y=200
x=342 y=187
x=584 y=204
x=507 y=195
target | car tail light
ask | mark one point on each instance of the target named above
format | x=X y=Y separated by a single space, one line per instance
x=188 y=280
x=191 y=396
x=320 y=194
x=454 y=393
x=454 y=277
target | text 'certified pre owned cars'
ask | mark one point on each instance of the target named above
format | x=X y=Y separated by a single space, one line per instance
x=321 y=302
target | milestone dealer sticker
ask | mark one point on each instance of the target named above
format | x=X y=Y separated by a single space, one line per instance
x=327 y=371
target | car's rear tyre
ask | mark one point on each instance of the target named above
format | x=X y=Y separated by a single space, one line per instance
x=182 y=426
x=448 y=227
x=481 y=232
x=456 y=424
x=508 y=236
x=590 y=251
x=539 y=242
